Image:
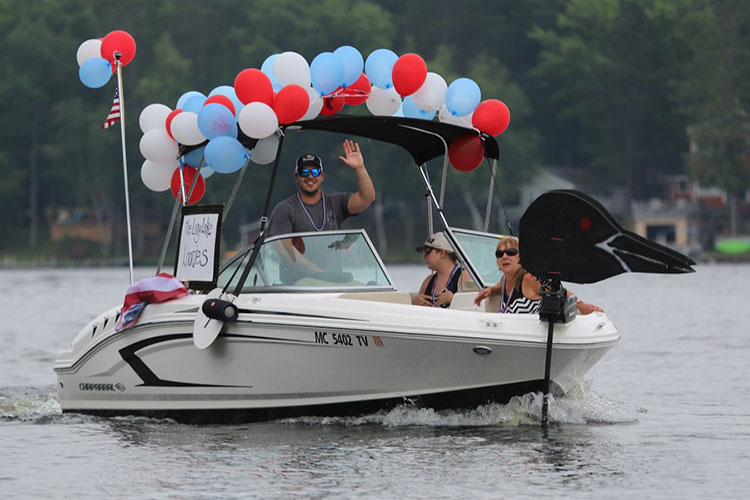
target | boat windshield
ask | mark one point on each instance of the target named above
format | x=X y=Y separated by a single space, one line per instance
x=324 y=261
x=480 y=249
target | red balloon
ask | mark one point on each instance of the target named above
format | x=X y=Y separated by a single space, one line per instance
x=223 y=100
x=491 y=116
x=466 y=152
x=409 y=73
x=118 y=41
x=333 y=103
x=252 y=85
x=189 y=173
x=359 y=91
x=168 y=121
x=291 y=103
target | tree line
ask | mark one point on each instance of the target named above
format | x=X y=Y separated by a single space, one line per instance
x=629 y=90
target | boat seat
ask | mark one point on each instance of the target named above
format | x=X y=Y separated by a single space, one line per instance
x=396 y=296
x=464 y=301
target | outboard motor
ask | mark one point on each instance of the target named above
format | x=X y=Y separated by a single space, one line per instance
x=223 y=310
x=557 y=306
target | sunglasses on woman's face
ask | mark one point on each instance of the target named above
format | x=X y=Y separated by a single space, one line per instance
x=306 y=172
x=510 y=252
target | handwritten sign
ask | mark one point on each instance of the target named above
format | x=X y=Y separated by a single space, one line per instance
x=198 y=246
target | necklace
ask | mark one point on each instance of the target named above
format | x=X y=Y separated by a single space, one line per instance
x=434 y=287
x=309 y=216
x=504 y=303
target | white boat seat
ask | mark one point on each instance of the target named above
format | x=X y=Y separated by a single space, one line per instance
x=396 y=296
x=464 y=301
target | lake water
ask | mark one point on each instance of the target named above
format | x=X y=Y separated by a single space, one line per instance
x=665 y=414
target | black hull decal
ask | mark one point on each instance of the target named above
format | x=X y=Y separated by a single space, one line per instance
x=469 y=398
x=150 y=379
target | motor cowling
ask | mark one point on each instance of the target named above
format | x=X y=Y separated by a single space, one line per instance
x=222 y=310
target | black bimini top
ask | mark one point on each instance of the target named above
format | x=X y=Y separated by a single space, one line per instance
x=423 y=139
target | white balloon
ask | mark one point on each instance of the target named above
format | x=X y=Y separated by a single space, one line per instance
x=184 y=128
x=445 y=116
x=316 y=104
x=88 y=49
x=383 y=102
x=265 y=151
x=156 y=145
x=291 y=68
x=153 y=116
x=157 y=176
x=431 y=95
x=207 y=172
x=258 y=120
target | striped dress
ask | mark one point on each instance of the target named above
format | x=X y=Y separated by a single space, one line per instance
x=516 y=302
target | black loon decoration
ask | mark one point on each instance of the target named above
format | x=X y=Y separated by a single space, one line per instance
x=566 y=235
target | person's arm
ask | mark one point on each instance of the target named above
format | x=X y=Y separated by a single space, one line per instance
x=365 y=194
x=420 y=298
x=583 y=307
x=586 y=308
x=487 y=292
x=530 y=287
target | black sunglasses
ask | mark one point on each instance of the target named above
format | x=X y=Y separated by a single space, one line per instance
x=509 y=251
x=305 y=172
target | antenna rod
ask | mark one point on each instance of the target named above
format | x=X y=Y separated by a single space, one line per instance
x=118 y=55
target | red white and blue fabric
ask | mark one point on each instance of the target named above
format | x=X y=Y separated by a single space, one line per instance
x=159 y=288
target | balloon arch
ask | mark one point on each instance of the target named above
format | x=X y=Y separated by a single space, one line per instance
x=284 y=90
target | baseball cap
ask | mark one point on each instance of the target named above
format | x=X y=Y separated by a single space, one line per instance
x=308 y=160
x=437 y=241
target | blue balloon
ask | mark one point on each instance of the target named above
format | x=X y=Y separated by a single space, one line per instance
x=379 y=67
x=194 y=104
x=411 y=110
x=229 y=92
x=327 y=72
x=226 y=154
x=184 y=97
x=267 y=68
x=215 y=120
x=353 y=63
x=193 y=158
x=463 y=96
x=95 y=72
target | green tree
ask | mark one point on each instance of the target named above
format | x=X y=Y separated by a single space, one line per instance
x=607 y=67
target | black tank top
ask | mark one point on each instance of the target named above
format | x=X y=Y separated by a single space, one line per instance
x=451 y=286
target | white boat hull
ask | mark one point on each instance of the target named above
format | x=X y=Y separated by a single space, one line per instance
x=329 y=356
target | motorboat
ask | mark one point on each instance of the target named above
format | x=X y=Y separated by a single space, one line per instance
x=345 y=340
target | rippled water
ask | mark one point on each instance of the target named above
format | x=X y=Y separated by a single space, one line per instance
x=666 y=414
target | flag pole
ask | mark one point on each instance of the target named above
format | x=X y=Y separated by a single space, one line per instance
x=118 y=55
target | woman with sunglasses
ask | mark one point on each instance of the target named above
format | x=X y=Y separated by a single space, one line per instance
x=518 y=290
x=438 y=288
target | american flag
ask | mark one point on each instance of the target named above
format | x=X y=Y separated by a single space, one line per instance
x=155 y=289
x=114 y=113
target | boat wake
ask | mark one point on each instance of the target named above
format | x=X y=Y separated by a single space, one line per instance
x=580 y=406
x=29 y=404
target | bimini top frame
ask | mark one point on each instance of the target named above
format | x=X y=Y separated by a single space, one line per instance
x=424 y=140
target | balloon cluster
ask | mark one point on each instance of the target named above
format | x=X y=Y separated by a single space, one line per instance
x=287 y=89
x=96 y=57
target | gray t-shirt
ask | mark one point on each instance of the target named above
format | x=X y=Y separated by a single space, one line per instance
x=290 y=216
x=294 y=216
